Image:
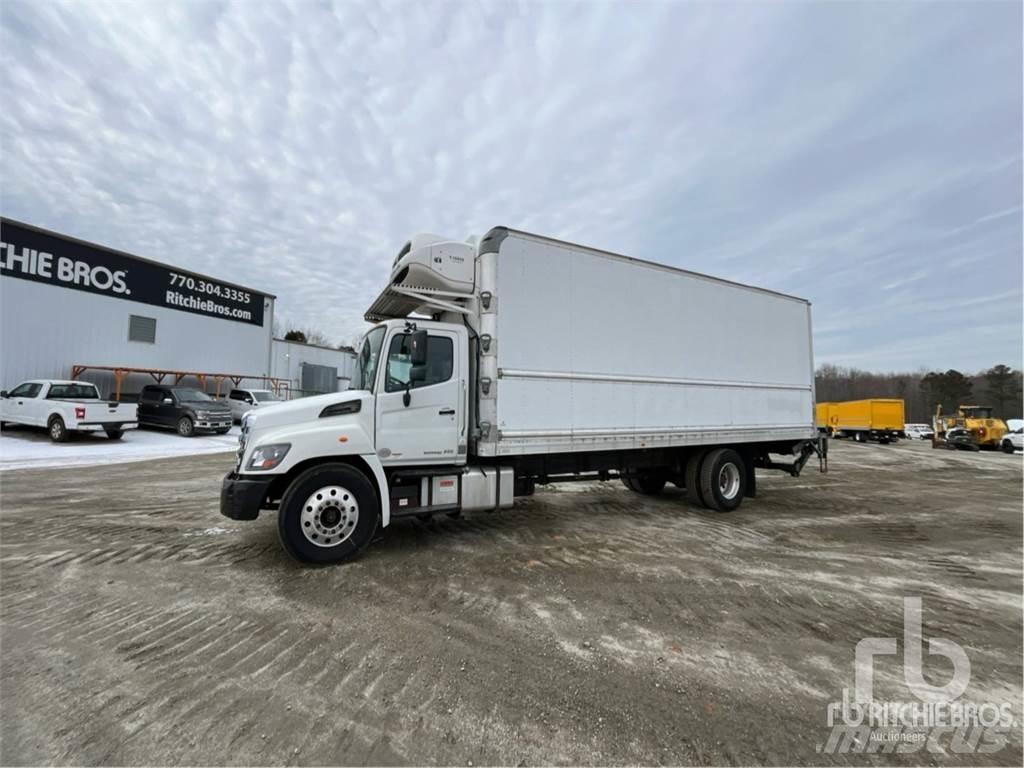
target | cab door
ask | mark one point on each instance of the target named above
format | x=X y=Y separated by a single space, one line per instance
x=21 y=404
x=36 y=405
x=418 y=419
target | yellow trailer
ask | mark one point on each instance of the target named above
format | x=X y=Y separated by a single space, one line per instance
x=878 y=419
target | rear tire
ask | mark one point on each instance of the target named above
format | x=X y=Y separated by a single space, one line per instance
x=186 y=427
x=648 y=483
x=723 y=480
x=692 y=478
x=58 y=431
x=333 y=528
x=115 y=434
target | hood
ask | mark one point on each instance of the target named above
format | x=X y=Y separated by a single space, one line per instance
x=206 y=405
x=303 y=409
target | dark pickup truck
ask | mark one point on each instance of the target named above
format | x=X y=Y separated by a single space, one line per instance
x=184 y=409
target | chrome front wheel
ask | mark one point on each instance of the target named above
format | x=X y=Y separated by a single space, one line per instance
x=329 y=516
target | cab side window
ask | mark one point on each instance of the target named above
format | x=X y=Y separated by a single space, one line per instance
x=150 y=395
x=439 y=366
x=25 y=390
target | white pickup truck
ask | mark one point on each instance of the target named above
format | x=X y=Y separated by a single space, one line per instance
x=241 y=401
x=63 y=407
x=524 y=360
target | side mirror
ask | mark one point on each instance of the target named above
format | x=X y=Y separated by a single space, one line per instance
x=248 y=400
x=3 y=394
x=168 y=401
x=418 y=348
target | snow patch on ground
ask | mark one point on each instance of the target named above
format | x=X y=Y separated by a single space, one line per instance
x=27 y=448
x=214 y=531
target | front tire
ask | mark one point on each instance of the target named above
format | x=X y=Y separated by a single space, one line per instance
x=1007 y=446
x=115 y=434
x=723 y=480
x=57 y=429
x=329 y=514
x=186 y=427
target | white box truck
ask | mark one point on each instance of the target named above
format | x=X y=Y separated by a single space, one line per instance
x=522 y=360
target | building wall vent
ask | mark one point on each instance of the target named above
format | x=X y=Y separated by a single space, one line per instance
x=142 y=329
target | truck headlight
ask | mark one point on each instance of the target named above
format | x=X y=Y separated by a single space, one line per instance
x=268 y=456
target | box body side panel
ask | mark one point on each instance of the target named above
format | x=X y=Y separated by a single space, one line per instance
x=597 y=352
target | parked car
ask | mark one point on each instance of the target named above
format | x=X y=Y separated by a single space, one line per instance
x=185 y=409
x=241 y=401
x=63 y=407
x=1013 y=441
x=961 y=439
x=919 y=431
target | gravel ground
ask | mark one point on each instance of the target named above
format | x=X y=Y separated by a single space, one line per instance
x=589 y=625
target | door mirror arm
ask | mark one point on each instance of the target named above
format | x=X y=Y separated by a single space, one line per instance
x=417 y=375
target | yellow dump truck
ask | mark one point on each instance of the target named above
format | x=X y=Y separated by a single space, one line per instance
x=876 y=419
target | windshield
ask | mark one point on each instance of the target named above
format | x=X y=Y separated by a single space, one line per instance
x=74 y=392
x=366 y=363
x=187 y=395
x=978 y=412
x=266 y=397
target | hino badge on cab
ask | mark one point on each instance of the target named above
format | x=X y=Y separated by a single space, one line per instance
x=525 y=360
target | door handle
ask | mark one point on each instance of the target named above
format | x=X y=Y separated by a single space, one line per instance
x=446 y=412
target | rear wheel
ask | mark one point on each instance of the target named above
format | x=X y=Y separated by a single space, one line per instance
x=328 y=514
x=58 y=431
x=723 y=480
x=647 y=482
x=692 y=478
x=186 y=427
x=115 y=434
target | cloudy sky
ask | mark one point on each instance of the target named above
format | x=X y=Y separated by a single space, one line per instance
x=865 y=156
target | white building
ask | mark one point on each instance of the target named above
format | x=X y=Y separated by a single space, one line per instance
x=73 y=309
x=309 y=368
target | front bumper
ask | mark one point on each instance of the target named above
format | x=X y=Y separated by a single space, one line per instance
x=214 y=422
x=242 y=496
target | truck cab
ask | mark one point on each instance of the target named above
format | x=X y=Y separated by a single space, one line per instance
x=417 y=374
